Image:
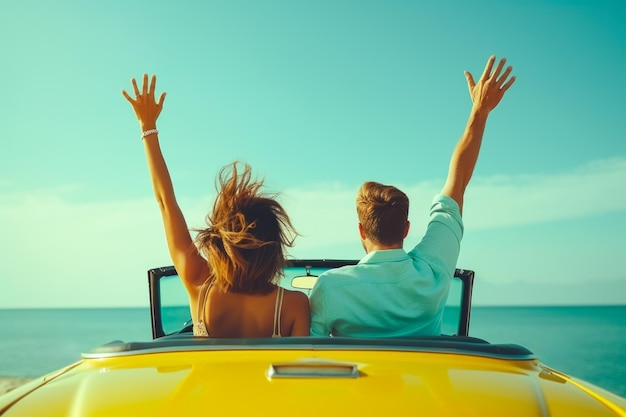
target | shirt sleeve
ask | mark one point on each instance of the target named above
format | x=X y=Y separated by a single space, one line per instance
x=319 y=326
x=441 y=243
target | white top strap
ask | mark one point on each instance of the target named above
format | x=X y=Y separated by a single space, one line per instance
x=204 y=296
x=277 y=310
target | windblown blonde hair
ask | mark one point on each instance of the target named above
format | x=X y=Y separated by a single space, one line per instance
x=247 y=235
x=383 y=211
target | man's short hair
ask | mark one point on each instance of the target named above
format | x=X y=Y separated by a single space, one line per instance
x=383 y=211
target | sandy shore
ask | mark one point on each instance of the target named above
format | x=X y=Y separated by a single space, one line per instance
x=7 y=383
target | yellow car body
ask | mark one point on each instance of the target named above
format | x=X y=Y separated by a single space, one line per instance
x=310 y=377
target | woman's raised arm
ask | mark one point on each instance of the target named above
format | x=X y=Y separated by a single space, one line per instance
x=190 y=265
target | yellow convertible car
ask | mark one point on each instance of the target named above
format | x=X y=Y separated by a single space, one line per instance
x=177 y=374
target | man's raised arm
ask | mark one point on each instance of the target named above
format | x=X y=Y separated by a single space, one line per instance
x=485 y=95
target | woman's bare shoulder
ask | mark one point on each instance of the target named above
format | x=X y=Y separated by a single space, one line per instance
x=295 y=299
x=299 y=295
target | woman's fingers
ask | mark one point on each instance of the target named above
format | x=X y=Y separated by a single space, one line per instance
x=125 y=94
x=144 y=87
x=161 y=100
x=134 y=84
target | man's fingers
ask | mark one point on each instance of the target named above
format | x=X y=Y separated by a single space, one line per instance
x=488 y=67
x=504 y=76
x=496 y=73
x=508 y=84
x=470 y=81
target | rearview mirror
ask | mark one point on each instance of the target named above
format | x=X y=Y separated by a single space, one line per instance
x=304 y=282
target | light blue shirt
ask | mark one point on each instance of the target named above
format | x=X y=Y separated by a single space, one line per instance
x=392 y=293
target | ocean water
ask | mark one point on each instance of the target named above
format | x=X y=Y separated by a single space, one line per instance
x=586 y=342
x=34 y=342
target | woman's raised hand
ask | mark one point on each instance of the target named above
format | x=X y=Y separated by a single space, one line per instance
x=146 y=108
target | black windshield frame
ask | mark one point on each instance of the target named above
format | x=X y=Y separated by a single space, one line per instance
x=156 y=274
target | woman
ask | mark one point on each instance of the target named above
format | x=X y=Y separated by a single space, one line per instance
x=230 y=271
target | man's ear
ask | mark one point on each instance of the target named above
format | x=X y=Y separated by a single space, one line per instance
x=361 y=231
x=407 y=226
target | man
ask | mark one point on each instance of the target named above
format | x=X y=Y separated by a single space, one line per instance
x=392 y=293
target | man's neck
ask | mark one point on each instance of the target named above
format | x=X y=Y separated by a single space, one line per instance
x=371 y=247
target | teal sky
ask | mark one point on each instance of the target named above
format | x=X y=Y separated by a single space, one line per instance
x=318 y=96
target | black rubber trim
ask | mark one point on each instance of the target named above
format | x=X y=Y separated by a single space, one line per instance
x=435 y=344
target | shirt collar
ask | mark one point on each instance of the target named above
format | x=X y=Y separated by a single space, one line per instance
x=380 y=256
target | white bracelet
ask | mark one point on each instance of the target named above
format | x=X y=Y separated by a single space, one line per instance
x=148 y=133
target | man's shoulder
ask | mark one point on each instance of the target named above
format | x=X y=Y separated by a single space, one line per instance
x=339 y=276
x=342 y=271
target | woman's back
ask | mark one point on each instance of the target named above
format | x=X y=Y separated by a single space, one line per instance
x=229 y=314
